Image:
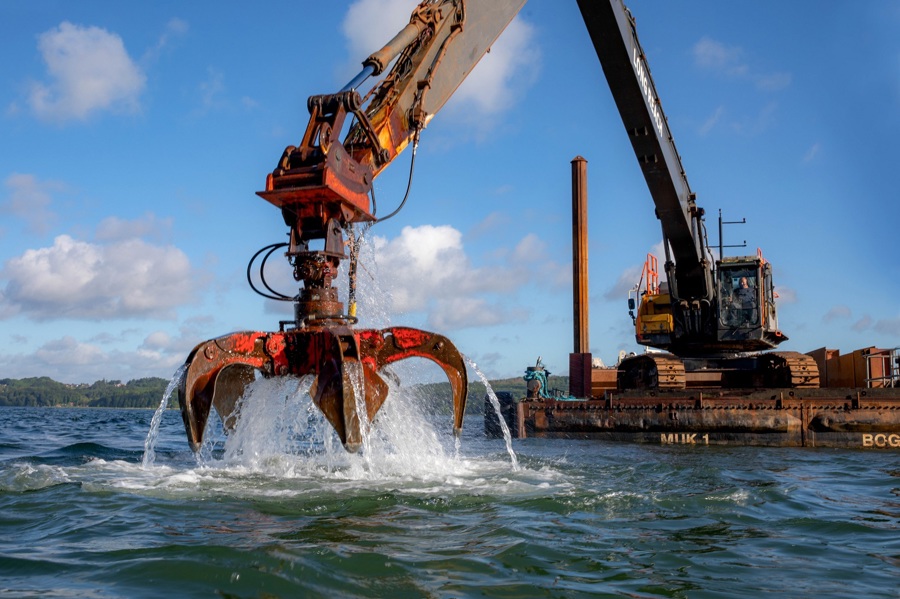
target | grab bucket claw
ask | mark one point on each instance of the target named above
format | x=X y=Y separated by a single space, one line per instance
x=345 y=363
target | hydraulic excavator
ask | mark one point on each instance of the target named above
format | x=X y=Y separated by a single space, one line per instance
x=713 y=318
x=324 y=189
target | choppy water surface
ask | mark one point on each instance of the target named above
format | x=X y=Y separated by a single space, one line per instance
x=280 y=510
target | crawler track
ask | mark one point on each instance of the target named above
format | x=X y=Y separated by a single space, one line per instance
x=652 y=371
x=665 y=372
x=789 y=369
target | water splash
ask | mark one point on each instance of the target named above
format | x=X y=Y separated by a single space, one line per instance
x=276 y=418
x=280 y=432
x=373 y=301
x=357 y=378
x=496 y=403
x=149 y=457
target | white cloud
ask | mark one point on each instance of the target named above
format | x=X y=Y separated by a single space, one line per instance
x=888 y=326
x=426 y=269
x=715 y=56
x=147 y=226
x=785 y=295
x=863 y=324
x=530 y=249
x=463 y=312
x=211 y=90
x=509 y=67
x=811 y=153
x=157 y=340
x=711 y=122
x=174 y=348
x=122 y=354
x=370 y=24
x=127 y=278
x=175 y=29
x=625 y=283
x=68 y=351
x=89 y=70
x=490 y=88
x=490 y=224
x=30 y=199
x=70 y=360
x=837 y=313
x=421 y=263
x=772 y=81
x=728 y=61
x=756 y=124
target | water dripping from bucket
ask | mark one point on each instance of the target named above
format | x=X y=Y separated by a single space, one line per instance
x=149 y=457
x=496 y=404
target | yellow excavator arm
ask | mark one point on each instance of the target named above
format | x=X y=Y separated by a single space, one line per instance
x=322 y=187
x=431 y=56
x=435 y=53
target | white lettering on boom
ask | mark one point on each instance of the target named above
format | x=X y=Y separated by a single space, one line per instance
x=647 y=89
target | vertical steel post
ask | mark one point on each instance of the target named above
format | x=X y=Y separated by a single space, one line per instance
x=580 y=359
x=580 y=254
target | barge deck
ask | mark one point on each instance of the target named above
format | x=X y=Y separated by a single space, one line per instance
x=863 y=416
x=850 y=418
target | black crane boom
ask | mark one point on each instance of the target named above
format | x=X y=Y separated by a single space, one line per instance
x=612 y=30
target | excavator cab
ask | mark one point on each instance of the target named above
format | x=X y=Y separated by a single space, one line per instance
x=746 y=306
x=739 y=294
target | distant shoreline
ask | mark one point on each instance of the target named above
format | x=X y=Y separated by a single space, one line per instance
x=147 y=393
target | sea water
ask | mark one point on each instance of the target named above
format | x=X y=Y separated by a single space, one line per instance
x=274 y=514
x=113 y=503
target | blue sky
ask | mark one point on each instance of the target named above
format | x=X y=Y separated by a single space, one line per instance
x=134 y=138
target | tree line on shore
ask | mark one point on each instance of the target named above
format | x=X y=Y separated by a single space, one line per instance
x=45 y=392
x=148 y=392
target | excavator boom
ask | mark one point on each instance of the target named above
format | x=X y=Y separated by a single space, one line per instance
x=614 y=35
x=322 y=188
x=452 y=38
x=711 y=317
x=431 y=56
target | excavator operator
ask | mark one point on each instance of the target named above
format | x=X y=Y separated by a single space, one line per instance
x=745 y=302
